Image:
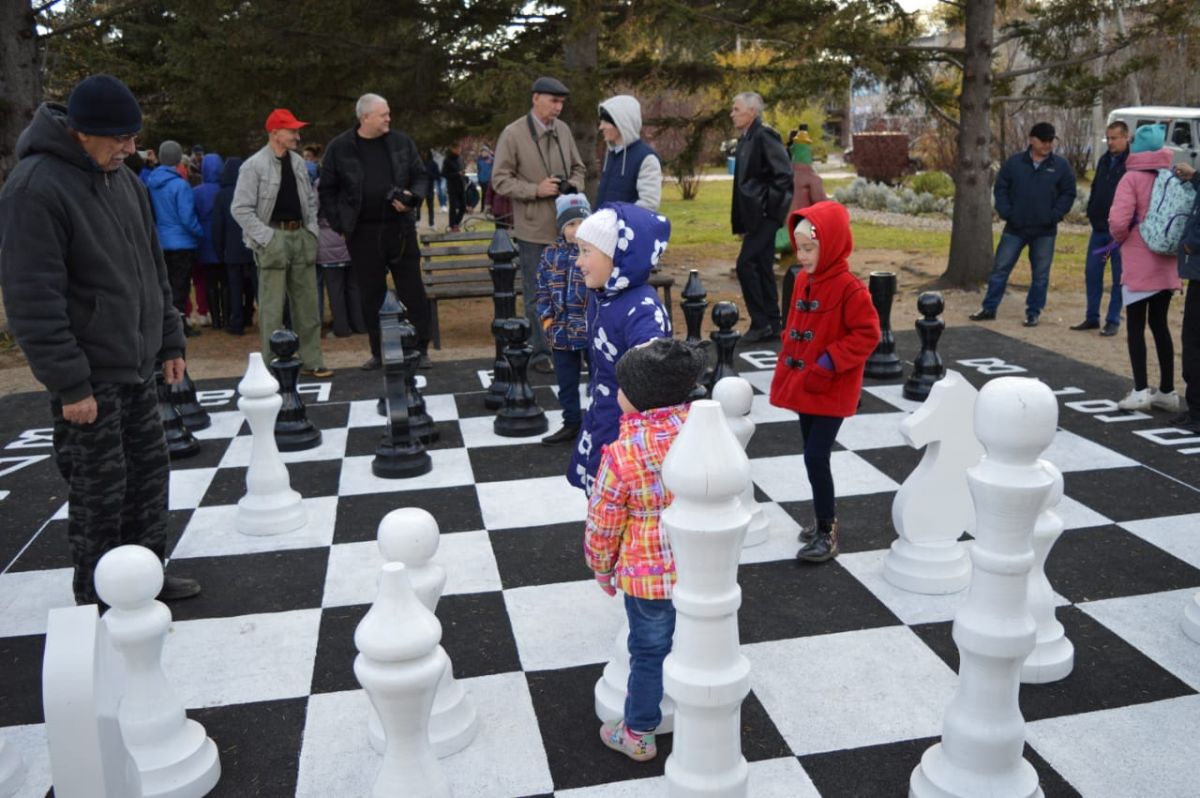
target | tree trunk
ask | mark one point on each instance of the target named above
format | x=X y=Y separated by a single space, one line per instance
x=581 y=50
x=971 y=236
x=20 y=77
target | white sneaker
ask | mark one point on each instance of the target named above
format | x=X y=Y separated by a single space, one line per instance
x=1166 y=401
x=1137 y=400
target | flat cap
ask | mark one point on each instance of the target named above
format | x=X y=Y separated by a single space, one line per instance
x=549 y=85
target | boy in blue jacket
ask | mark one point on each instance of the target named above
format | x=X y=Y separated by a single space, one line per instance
x=618 y=245
x=179 y=230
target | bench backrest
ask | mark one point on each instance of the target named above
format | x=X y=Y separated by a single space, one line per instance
x=457 y=260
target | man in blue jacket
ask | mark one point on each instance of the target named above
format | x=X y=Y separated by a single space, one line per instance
x=1189 y=269
x=179 y=230
x=1109 y=171
x=1034 y=191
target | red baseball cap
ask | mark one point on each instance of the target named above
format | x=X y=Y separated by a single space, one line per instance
x=283 y=119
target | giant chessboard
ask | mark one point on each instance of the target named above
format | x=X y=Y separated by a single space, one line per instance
x=850 y=675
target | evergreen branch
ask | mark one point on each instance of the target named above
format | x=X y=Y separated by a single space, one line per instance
x=116 y=11
x=1083 y=59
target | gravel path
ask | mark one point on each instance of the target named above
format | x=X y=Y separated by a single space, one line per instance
x=936 y=223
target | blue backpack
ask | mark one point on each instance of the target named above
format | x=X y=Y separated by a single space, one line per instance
x=1171 y=203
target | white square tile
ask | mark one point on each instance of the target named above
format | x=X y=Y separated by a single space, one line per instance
x=1151 y=624
x=451 y=468
x=478 y=431
x=30 y=743
x=771 y=778
x=1178 y=535
x=1086 y=749
x=564 y=624
x=212 y=531
x=353 y=570
x=867 y=567
x=530 y=502
x=763 y=412
x=225 y=424
x=62 y=512
x=1071 y=452
x=761 y=381
x=894 y=396
x=364 y=413
x=781 y=542
x=872 y=431
x=26 y=598
x=187 y=487
x=216 y=661
x=785 y=478
x=333 y=447
x=1079 y=516
x=877 y=686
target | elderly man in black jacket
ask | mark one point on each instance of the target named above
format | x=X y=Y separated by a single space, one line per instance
x=372 y=184
x=86 y=291
x=762 y=193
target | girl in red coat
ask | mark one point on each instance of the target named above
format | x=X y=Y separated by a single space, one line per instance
x=832 y=328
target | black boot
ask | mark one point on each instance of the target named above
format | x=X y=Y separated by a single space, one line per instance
x=824 y=546
x=807 y=534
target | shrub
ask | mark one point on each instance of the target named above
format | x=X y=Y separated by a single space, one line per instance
x=878 y=197
x=939 y=184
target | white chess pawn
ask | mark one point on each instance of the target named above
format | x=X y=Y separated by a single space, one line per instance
x=410 y=536
x=737 y=397
x=399 y=665
x=12 y=769
x=270 y=506
x=706 y=673
x=1053 y=656
x=174 y=755
x=983 y=733
x=1191 y=618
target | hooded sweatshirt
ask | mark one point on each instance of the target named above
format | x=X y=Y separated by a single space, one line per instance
x=174 y=209
x=831 y=313
x=1142 y=269
x=624 y=313
x=632 y=171
x=205 y=196
x=227 y=234
x=85 y=286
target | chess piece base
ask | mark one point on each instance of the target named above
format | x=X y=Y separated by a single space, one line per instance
x=273 y=514
x=1049 y=661
x=396 y=462
x=1191 y=618
x=303 y=437
x=883 y=367
x=759 y=529
x=938 y=777
x=196 y=421
x=521 y=426
x=181 y=447
x=930 y=570
x=186 y=767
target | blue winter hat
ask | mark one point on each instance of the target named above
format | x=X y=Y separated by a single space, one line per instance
x=568 y=207
x=101 y=105
x=1149 y=138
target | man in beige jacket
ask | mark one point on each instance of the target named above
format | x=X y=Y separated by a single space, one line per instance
x=536 y=161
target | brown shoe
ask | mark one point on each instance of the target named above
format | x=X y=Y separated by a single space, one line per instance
x=317 y=372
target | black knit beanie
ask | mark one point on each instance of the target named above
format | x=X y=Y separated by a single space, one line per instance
x=101 y=105
x=660 y=373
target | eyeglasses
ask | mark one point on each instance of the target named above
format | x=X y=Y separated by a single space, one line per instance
x=125 y=138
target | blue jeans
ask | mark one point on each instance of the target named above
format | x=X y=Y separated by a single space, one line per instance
x=568 y=363
x=1093 y=278
x=819 y=434
x=1041 y=253
x=530 y=257
x=651 y=627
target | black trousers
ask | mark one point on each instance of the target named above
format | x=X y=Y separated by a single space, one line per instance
x=1155 y=309
x=1191 y=347
x=756 y=274
x=457 y=196
x=377 y=249
x=179 y=275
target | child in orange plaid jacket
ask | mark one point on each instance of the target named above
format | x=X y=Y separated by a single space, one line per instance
x=626 y=546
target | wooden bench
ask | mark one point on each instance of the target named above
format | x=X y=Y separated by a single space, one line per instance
x=455 y=266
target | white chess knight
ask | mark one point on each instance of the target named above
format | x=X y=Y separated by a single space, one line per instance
x=933 y=507
x=410 y=536
x=1053 y=656
x=706 y=674
x=270 y=506
x=175 y=757
x=983 y=733
x=737 y=397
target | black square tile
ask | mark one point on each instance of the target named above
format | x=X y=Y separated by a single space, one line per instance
x=1128 y=494
x=258 y=745
x=541 y=555
x=897 y=462
x=50 y=549
x=310 y=479
x=864 y=522
x=527 y=461
x=456 y=510
x=208 y=455
x=471 y=405
x=21 y=664
x=776 y=439
x=245 y=584
x=786 y=599
x=1108 y=562
x=327 y=415
x=870 y=403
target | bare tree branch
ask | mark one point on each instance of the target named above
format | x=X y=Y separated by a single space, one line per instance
x=46 y=6
x=917 y=48
x=1083 y=59
x=115 y=11
x=933 y=106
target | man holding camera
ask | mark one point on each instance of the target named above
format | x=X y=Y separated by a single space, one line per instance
x=536 y=161
x=372 y=184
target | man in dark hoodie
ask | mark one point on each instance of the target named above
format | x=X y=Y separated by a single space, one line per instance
x=209 y=253
x=241 y=278
x=85 y=288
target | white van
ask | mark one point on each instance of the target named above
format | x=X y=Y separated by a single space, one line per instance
x=1183 y=127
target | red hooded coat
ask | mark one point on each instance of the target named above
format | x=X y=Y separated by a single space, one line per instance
x=831 y=312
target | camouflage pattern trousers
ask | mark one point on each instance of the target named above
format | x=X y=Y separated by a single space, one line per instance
x=117 y=470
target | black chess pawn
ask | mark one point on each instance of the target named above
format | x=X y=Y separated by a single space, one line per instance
x=503 y=271
x=400 y=453
x=927 y=368
x=183 y=395
x=695 y=302
x=725 y=338
x=293 y=430
x=883 y=364
x=521 y=416
x=180 y=441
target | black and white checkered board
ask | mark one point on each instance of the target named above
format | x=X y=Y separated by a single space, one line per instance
x=850 y=676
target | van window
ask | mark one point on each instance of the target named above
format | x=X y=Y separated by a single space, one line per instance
x=1141 y=122
x=1182 y=135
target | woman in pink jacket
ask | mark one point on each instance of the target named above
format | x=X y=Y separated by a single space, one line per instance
x=1148 y=279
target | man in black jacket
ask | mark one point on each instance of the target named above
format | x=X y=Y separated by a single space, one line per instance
x=1109 y=171
x=372 y=185
x=86 y=291
x=762 y=193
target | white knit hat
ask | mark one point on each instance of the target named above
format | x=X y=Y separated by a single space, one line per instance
x=600 y=230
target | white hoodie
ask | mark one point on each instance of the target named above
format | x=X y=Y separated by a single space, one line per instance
x=626 y=113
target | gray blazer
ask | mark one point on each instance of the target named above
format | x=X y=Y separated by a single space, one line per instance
x=256 y=191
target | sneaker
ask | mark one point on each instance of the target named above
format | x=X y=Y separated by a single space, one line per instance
x=1137 y=400
x=1110 y=329
x=1185 y=421
x=638 y=747
x=321 y=371
x=1168 y=401
x=1086 y=325
x=1031 y=320
x=178 y=587
x=983 y=314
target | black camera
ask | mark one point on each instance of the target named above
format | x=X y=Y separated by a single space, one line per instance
x=404 y=196
x=564 y=186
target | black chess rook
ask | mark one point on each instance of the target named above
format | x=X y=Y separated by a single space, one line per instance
x=928 y=367
x=180 y=442
x=183 y=394
x=503 y=271
x=883 y=364
x=400 y=453
x=521 y=416
x=294 y=432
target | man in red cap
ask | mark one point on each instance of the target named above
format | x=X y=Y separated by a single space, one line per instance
x=277 y=210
